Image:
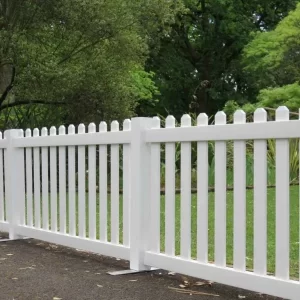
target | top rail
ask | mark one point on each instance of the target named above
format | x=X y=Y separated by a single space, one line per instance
x=98 y=138
x=248 y=131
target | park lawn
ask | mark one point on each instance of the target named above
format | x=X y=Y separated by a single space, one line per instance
x=294 y=227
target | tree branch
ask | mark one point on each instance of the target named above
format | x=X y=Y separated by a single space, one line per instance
x=106 y=35
x=25 y=102
x=10 y=86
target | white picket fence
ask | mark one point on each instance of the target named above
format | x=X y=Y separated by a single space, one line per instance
x=43 y=194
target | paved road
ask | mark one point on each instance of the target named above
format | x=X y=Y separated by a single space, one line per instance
x=31 y=269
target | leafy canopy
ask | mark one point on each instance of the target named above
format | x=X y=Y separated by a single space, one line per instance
x=86 y=56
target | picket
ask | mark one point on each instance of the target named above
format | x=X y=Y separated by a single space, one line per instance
x=103 y=185
x=81 y=186
x=282 y=200
x=71 y=185
x=62 y=184
x=115 y=187
x=220 y=196
x=92 y=185
x=239 y=221
x=29 y=203
x=260 y=199
x=202 y=195
x=45 y=180
x=126 y=185
x=185 y=207
x=154 y=239
x=53 y=182
x=36 y=178
x=170 y=192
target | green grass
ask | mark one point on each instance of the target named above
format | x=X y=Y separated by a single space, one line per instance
x=294 y=227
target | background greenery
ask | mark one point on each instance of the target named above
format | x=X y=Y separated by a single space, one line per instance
x=66 y=61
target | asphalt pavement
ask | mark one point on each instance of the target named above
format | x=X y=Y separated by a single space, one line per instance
x=31 y=269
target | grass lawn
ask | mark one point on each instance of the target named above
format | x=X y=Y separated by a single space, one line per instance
x=294 y=227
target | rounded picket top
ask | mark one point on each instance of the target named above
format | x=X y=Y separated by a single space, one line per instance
x=28 y=132
x=21 y=133
x=186 y=120
x=155 y=123
x=260 y=115
x=114 y=126
x=1 y=135
x=52 y=130
x=282 y=113
x=44 y=131
x=202 y=119
x=103 y=126
x=62 y=130
x=36 y=132
x=239 y=117
x=126 y=125
x=92 y=127
x=220 y=118
x=170 y=122
x=81 y=128
x=71 y=129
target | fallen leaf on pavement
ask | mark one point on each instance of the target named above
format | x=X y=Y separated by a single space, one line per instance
x=200 y=283
x=9 y=254
x=241 y=297
x=133 y=280
x=55 y=298
x=100 y=286
x=171 y=273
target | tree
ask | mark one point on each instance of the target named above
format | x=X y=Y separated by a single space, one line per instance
x=84 y=57
x=198 y=66
x=273 y=58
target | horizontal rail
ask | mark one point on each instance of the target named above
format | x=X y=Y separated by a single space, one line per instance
x=97 y=138
x=3 y=144
x=248 y=131
x=240 y=279
x=95 y=246
x=4 y=226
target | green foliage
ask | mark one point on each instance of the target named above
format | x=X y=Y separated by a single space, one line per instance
x=198 y=67
x=271 y=99
x=276 y=52
x=274 y=59
x=89 y=55
x=288 y=95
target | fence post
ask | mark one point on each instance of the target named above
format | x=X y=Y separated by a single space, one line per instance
x=139 y=186
x=14 y=182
